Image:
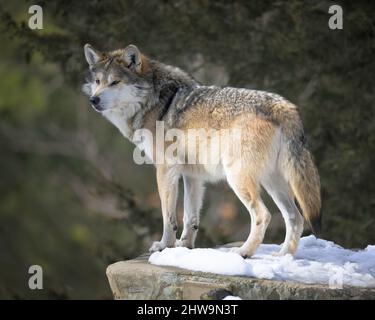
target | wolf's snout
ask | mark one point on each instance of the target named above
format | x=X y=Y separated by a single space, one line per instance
x=95 y=100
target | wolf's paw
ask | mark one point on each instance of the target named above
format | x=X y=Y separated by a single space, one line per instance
x=157 y=246
x=243 y=252
x=282 y=253
x=184 y=243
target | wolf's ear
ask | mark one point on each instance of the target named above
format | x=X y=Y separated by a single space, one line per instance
x=92 y=55
x=133 y=58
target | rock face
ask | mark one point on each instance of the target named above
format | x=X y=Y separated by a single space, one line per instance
x=137 y=279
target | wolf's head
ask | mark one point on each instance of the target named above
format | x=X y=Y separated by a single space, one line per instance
x=116 y=79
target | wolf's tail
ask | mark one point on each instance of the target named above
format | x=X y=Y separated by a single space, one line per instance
x=298 y=166
x=304 y=180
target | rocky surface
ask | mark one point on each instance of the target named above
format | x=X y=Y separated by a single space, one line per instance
x=137 y=279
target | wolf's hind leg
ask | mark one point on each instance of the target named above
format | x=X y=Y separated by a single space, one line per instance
x=247 y=191
x=193 y=198
x=281 y=194
x=167 y=179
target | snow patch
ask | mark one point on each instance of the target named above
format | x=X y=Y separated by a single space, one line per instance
x=316 y=261
x=232 y=298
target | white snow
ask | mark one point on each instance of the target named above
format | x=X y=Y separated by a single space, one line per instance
x=316 y=261
x=232 y=298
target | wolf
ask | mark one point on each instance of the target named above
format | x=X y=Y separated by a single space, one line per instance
x=133 y=91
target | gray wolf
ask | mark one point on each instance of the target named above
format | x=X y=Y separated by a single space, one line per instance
x=133 y=91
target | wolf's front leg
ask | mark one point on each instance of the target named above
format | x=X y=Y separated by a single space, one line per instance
x=167 y=179
x=193 y=198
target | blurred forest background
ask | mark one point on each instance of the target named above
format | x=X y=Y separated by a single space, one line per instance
x=71 y=198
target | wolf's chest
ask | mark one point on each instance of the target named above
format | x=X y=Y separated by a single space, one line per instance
x=120 y=118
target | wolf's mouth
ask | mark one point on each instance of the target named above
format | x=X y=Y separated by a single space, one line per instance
x=97 y=108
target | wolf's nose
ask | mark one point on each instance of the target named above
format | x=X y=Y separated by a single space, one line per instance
x=95 y=100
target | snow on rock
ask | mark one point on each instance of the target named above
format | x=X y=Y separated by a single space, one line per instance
x=232 y=298
x=316 y=261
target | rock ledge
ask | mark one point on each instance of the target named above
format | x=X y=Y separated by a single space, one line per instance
x=138 y=279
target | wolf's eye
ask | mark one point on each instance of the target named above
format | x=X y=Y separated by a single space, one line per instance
x=113 y=83
x=97 y=81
